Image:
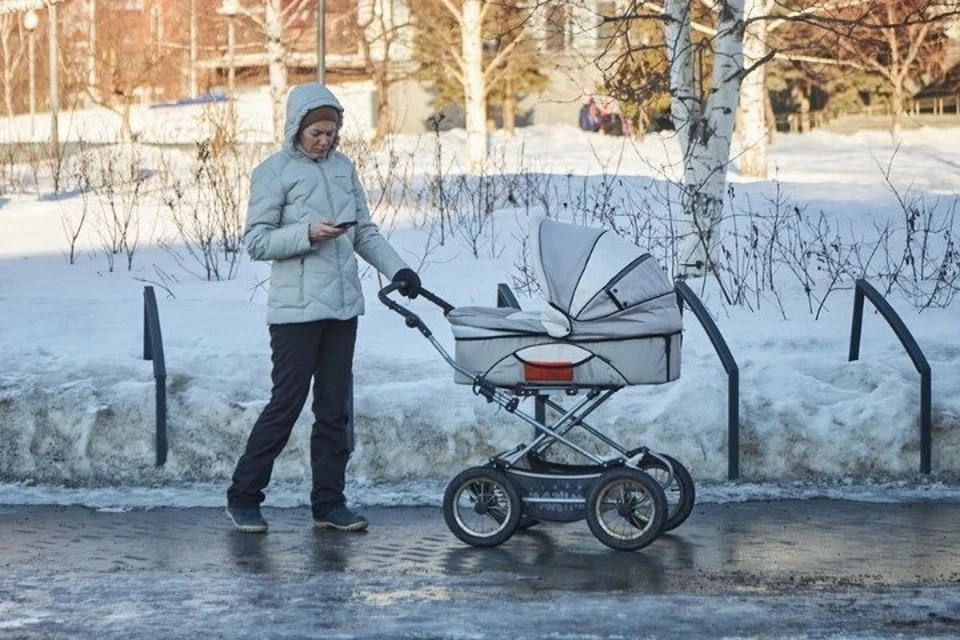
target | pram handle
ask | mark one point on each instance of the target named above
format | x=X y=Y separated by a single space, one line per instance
x=412 y=320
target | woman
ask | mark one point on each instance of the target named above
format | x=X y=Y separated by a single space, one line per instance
x=308 y=215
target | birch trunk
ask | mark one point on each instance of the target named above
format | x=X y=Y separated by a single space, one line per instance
x=509 y=110
x=93 y=81
x=474 y=88
x=705 y=127
x=7 y=69
x=896 y=111
x=11 y=59
x=753 y=134
x=277 y=68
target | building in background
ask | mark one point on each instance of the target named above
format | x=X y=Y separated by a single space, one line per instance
x=117 y=53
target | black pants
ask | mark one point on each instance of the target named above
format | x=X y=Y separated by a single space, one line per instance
x=323 y=351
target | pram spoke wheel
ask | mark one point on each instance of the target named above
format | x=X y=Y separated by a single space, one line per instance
x=626 y=509
x=481 y=507
x=677 y=486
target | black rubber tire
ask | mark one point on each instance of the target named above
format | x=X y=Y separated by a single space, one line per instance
x=481 y=507
x=679 y=490
x=626 y=509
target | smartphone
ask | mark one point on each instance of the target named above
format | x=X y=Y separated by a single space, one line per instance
x=345 y=225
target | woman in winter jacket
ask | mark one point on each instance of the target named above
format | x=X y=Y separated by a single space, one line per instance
x=308 y=215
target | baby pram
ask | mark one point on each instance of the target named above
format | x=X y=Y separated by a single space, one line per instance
x=611 y=320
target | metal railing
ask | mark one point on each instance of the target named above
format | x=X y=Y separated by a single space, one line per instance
x=686 y=295
x=505 y=297
x=865 y=290
x=153 y=350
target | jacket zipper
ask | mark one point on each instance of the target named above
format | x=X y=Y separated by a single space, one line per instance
x=326 y=184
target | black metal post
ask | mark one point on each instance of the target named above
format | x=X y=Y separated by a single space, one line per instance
x=153 y=350
x=505 y=297
x=857 y=327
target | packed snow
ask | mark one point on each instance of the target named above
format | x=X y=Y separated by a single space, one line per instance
x=77 y=421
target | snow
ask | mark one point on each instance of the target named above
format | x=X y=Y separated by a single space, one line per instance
x=77 y=397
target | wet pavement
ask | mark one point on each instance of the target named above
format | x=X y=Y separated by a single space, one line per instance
x=791 y=568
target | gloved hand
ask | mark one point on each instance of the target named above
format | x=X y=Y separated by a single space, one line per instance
x=409 y=283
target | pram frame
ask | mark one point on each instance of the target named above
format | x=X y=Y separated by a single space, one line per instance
x=511 y=462
x=508 y=397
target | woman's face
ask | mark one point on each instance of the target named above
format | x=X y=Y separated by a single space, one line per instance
x=317 y=139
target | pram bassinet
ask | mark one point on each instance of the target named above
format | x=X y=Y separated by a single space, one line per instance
x=611 y=319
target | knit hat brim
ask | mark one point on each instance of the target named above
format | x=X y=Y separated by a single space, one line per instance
x=320 y=114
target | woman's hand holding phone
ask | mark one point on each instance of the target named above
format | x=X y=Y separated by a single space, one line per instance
x=328 y=230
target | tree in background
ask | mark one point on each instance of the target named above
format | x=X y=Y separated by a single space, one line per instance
x=704 y=122
x=516 y=73
x=801 y=85
x=635 y=68
x=753 y=130
x=130 y=59
x=465 y=48
x=901 y=41
x=705 y=67
x=13 y=48
x=380 y=28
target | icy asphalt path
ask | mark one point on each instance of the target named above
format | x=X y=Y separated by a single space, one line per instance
x=785 y=569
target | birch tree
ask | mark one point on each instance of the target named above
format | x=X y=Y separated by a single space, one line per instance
x=469 y=70
x=754 y=128
x=902 y=41
x=457 y=51
x=276 y=63
x=704 y=124
x=460 y=54
x=754 y=125
x=12 y=51
x=277 y=26
x=382 y=27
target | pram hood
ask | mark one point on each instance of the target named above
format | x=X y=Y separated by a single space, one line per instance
x=599 y=285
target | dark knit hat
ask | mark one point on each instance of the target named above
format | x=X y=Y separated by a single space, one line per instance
x=325 y=113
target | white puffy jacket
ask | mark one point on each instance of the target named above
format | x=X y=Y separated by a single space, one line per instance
x=288 y=191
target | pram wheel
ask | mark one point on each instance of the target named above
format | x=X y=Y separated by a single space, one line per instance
x=626 y=509
x=481 y=507
x=679 y=490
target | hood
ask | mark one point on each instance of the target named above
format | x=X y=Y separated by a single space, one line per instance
x=303 y=98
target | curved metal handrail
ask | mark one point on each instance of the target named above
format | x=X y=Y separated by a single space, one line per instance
x=865 y=290
x=686 y=294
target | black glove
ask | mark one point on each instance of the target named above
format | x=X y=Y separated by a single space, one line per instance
x=409 y=283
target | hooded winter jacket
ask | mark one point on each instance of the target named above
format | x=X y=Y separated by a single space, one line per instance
x=288 y=191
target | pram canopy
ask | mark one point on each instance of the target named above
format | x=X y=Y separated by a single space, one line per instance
x=611 y=318
x=600 y=285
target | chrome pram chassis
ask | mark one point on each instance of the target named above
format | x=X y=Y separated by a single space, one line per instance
x=628 y=499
